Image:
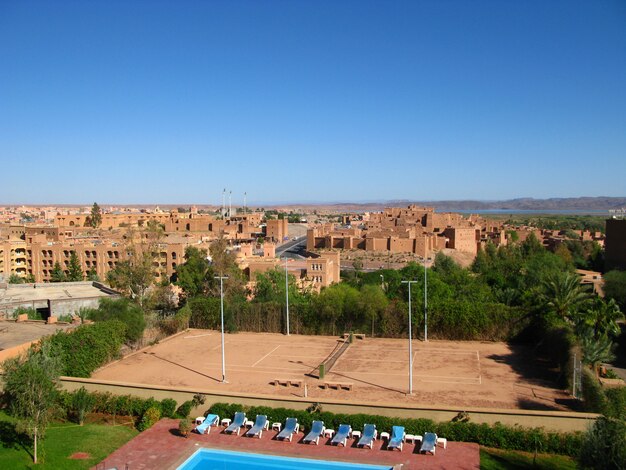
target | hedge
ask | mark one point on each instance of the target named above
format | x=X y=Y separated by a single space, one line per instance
x=498 y=435
x=594 y=399
x=123 y=405
x=88 y=347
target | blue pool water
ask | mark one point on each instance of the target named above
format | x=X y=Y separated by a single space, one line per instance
x=205 y=459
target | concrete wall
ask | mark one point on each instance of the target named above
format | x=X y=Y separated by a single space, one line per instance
x=550 y=420
x=72 y=306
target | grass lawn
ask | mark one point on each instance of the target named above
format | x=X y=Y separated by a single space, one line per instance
x=496 y=459
x=62 y=440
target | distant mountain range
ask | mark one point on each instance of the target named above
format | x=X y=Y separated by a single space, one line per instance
x=591 y=204
x=576 y=204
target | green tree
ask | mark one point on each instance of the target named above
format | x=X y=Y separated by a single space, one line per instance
x=596 y=348
x=92 y=275
x=75 y=270
x=224 y=263
x=31 y=387
x=15 y=279
x=95 y=218
x=121 y=309
x=601 y=316
x=57 y=274
x=372 y=302
x=195 y=276
x=563 y=295
x=133 y=276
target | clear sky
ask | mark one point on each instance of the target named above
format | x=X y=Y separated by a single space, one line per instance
x=172 y=101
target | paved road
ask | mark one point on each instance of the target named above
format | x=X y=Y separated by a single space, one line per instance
x=292 y=248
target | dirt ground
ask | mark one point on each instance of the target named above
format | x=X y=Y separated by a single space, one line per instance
x=444 y=372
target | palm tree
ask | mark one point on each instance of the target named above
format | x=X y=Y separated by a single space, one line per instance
x=564 y=295
x=596 y=349
x=602 y=317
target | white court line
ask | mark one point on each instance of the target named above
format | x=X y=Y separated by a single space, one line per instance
x=397 y=351
x=356 y=374
x=197 y=336
x=219 y=346
x=449 y=382
x=265 y=356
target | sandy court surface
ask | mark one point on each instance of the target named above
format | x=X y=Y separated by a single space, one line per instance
x=444 y=372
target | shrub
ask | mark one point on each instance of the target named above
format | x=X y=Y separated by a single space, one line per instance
x=32 y=313
x=82 y=403
x=122 y=310
x=184 y=427
x=616 y=403
x=594 y=399
x=184 y=410
x=205 y=312
x=168 y=408
x=151 y=416
x=88 y=347
x=603 y=445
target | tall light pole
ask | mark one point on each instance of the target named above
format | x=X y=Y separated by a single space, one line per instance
x=410 y=340
x=221 y=278
x=287 y=293
x=425 y=302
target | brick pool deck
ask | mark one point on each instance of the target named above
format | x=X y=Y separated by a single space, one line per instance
x=160 y=447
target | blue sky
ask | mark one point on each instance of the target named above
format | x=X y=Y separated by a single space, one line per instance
x=170 y=102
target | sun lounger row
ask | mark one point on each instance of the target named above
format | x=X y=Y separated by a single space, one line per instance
x=344 y=432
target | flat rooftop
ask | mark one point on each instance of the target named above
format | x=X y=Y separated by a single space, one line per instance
x=14 y=334
x=14 y=293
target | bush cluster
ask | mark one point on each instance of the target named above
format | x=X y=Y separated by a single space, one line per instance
x=151 y=416
x=88 y=347
x=123 y=405
x=498 y=435
x=124 y=311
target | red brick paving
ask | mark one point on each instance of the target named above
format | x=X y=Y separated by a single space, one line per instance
x=160 y=447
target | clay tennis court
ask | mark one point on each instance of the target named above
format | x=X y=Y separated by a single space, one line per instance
x=371 y=370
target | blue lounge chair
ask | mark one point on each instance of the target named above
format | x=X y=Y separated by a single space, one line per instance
x=317 y=429
x=291 y=426
x=237 y=424
x=342 y=435
x=205 y=427
x=397 y=438
x=260 y=424
x=429 y=444
x=368 y=437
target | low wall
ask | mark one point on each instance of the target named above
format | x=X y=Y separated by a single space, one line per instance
x=561 y=421
x=15 y=350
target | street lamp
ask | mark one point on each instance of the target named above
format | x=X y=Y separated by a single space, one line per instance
x=425 y=301
x=410 y=340
x=221 y=278
x=287 y=293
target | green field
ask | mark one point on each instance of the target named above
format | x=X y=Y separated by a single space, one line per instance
x=62 y=440
x=496 y=459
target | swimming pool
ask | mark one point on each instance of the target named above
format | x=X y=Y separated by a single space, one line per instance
x=204 y=459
